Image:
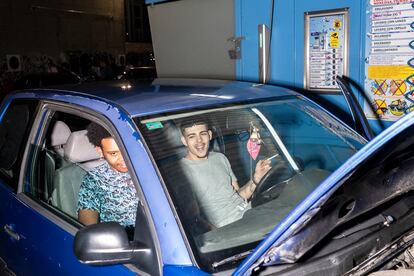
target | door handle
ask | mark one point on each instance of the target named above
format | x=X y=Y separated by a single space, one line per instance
x=9 y=231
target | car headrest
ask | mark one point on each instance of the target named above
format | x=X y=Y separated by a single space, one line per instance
x=78 y=149
x=60 y=134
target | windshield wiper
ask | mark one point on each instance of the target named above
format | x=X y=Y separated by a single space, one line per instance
x=383 y=255
x=380 y=220
x=232 y=258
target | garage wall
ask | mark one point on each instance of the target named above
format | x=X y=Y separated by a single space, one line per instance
x=190 y=38
x=51 y=27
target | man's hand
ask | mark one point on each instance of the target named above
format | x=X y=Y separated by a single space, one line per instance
x=88 y=217
x=262 y=167
x=246 y=192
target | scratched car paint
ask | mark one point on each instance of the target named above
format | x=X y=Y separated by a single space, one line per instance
x=332 y=203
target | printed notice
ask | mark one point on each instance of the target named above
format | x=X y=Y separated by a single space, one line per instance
x=326 y=48
x=389 y=53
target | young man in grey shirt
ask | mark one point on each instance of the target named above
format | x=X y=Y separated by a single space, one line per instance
x=213 y=183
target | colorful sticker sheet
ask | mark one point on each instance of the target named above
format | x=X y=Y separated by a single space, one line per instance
x=389 y=70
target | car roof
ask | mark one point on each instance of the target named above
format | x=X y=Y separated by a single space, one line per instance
x=168 y=95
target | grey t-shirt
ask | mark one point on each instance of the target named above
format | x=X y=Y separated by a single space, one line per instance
x=210 y=181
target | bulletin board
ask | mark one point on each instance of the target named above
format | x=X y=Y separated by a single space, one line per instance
x=389 y=62
x=326 y=49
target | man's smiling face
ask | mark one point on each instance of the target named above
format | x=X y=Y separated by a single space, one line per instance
x=110 y=151
x=197 y=139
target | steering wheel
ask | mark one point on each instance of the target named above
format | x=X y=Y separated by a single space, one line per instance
x=267 y=188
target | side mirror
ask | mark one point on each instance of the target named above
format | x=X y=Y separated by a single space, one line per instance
x=107 y=243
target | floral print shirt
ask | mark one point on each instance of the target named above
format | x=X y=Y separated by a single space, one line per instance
x=111 y=193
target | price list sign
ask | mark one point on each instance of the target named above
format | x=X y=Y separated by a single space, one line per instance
x=326 y=49
x=389 y=70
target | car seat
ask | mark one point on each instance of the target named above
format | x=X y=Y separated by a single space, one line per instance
x=54 y=155
x=59 y=136
x=83 y=157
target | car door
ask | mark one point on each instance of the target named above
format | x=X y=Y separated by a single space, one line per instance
x=14 y=129
x=37 y=236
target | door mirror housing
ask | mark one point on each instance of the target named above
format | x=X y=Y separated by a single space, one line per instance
x=107 y=243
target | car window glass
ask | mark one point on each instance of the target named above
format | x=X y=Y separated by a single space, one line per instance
x=62 y=164
x=14 y=130
x=46 y=181
x=302 y=144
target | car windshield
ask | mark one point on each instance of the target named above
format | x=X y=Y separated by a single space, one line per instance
x=303 y=143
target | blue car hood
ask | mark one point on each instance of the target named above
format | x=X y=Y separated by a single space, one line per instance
x=280 y=245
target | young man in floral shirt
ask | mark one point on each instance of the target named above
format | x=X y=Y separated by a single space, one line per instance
x=107 y=192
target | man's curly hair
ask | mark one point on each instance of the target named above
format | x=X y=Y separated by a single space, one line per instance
x=96 y=133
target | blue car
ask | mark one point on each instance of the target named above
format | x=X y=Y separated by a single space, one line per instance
x=329 y=202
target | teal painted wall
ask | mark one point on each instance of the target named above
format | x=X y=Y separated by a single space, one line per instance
x=287 y=46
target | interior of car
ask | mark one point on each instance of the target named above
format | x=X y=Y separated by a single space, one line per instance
x=63 y=160
x=304 y=146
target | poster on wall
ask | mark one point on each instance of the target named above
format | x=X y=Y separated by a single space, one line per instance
x=326 y=53
x=389 y=51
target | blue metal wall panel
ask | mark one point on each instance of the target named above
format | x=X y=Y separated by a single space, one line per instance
x=287 y=45
x=283 y=54
x=155 y=1
x=355 y=34
x=249 y=14
x=333 y=102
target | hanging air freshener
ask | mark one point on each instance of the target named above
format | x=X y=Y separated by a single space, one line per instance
x=254 y=142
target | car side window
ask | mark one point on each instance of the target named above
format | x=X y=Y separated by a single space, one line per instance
x=66 y=175
x=15 y=127
x=60 y=162
x=70 y=174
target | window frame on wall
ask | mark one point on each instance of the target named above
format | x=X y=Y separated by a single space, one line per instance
x=137 y=28
x=339 y=64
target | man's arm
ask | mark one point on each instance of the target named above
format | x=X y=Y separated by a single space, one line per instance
x=88 y=217
x=246 y=192
x=87 y=208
